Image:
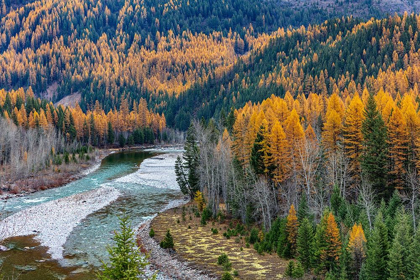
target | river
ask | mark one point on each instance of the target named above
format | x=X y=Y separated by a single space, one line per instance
x=141 y=199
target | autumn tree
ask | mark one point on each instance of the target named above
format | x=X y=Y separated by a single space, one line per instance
x=357 y=248
x=292 y=227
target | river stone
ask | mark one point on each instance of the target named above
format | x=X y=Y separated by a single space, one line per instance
x=26 y=267
x=3 y=248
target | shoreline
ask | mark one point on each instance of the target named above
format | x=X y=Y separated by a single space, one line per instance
x=63 y=215
x=83 y=169
x=56 y=180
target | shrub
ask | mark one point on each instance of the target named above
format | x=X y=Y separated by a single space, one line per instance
x=223 y=258
x=206 y=215
x=298 y=272
x=224 y=261
x=290 y=268
x=227 y=276
x=168 y=242
x=151 y=233
x=253 y=236
x=214 y=231
x=235 y=273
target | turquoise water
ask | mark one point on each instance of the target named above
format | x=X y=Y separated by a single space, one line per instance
x=86 y=245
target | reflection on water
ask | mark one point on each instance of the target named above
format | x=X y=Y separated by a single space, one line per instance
x=86 y=245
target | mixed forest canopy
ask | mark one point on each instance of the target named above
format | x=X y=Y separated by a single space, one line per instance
x=338 y=56
x=109 y=51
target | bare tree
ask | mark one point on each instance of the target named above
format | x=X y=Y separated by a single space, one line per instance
x=367 y=199
x=265 y=198
x=412 y=193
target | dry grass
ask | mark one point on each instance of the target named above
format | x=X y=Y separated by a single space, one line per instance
x=201 y=248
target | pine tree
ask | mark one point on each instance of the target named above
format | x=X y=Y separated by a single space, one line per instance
x=186 y=170
x=305 y=244
x=414 y=257
x=398 y=263
x=292 y=229
x=168 y=241
x=377 y=251
x=257 y=154
x=111 y=134
x=375 y=148
x=303 y=211
x=126 y=261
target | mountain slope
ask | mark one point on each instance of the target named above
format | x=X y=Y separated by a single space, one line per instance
x=339 y=55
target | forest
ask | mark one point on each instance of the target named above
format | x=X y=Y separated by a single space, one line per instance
x=37 y=135
x=338 y=56
x=331 y=181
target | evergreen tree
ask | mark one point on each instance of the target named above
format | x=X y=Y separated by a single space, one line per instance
x=414 y=257
x=377 y=251
x=126 y=261
x=168 y=241
x=186 y=170
x=375 y=149
x=111 y=134
x=257 y=155
x=305 y=244
x=303 y=211
x=398 y=263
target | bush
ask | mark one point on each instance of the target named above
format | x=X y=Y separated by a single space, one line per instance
x=294 y=270
x=223 y=258
x=224 y=261
x=235 y=273
x=298 y=272
x=205 y=216
x=168 y=242
x=253 y=236
x=214 y=231
x=290 y=268
x=227 y=276
x=151 y=233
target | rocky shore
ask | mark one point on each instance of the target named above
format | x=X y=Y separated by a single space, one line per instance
x=53 y=221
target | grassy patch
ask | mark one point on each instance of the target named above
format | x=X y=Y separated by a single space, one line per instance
x=197 y=244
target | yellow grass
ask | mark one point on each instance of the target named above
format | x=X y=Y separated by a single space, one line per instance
x=201 y=248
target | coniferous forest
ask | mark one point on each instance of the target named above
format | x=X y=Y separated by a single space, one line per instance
x=300 y=119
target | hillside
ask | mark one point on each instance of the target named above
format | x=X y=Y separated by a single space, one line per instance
x=341 y=55
x=111 y=50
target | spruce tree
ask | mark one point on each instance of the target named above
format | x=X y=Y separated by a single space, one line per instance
x=377 y=251
x=303 y=211
x=414 y=257
x=374 y=157
x=126 y=261
x=186 y=169
x=257 y=154
x=110 y=134
x=398 y=263
x=305 y=244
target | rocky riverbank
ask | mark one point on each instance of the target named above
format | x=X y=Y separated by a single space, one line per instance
x=53 y=221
